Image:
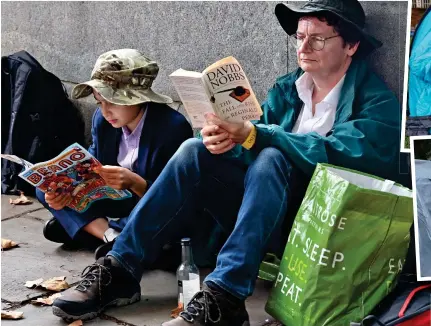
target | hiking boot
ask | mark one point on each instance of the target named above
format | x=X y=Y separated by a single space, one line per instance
x=103 y=284
x=212 y=307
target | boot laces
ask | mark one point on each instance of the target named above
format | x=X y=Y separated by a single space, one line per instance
x=201 y=302
x=94 y=273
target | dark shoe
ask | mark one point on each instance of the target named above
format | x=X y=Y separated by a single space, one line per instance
x=55 y=232
x=84 y=239
x=103 y=249
x=103 y=284
x=212 y=307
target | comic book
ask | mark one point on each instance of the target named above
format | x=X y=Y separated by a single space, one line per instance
x=72 y=171
x=222 y=89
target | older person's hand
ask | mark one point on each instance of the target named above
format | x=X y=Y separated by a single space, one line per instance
x=215 y=139
x=237 y=132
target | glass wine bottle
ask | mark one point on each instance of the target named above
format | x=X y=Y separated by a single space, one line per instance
x=187 y=275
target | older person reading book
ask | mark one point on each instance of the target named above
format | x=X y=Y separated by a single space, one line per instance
x=333 y=109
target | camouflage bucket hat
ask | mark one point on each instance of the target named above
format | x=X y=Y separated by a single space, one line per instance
x=122 y=77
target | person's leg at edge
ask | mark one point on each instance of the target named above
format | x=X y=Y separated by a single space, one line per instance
x=160 y=215
x=66 y=225
x=262 y=211
x=171 y=203
x=90 y=226
x=97 y=227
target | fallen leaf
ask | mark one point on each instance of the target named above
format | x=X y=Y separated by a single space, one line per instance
x=176 y=312
x=46 y=301
x=21 y=200
x=7 y=244
x=76 y=323
x=34 y=283
x=11 y=314
x=55 y=284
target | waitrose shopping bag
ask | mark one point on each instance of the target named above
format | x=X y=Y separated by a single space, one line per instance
x=346 y=247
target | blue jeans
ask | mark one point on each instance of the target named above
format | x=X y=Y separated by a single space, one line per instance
x=249 y=203
x=73 y=221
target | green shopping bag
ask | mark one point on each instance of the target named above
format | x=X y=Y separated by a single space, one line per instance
x=346 y=247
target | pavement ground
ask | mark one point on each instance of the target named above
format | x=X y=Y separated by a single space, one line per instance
x=37 y=258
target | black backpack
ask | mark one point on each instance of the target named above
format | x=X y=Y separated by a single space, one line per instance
x=38 y=119
x=408 y=305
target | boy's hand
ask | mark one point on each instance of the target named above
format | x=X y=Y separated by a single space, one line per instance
x=116 y=177
x=57 y=201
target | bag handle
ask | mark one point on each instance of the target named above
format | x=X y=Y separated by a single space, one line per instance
x=409 y=299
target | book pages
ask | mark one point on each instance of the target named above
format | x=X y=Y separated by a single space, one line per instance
x=192 y=93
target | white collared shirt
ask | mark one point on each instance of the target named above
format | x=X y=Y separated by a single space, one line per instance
x=324 y=116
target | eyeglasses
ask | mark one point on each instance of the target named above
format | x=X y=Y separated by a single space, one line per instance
x=317 y=43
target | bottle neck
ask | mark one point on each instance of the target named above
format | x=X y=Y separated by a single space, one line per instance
x=187 y=255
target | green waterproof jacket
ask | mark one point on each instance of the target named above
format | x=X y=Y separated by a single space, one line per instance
x=365 y=135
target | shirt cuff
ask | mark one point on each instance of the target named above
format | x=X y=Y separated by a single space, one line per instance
x=251 y=139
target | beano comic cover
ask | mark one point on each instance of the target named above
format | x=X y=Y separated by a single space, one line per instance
x=70 y=172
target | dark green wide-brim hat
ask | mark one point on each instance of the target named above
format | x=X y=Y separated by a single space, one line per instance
x=350 y=11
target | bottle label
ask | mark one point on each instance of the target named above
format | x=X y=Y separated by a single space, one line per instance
x=190 y=288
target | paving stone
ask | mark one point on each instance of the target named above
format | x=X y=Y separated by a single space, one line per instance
x=5 y=306
x=256 y=304
x=35 y=258
x=8 y=210
x=159 y=297
x=42 y=214
x=42 y=316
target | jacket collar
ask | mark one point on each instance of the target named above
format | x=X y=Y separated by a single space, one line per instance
x=353 y=78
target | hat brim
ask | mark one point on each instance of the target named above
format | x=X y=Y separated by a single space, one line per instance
x=288 y=17
x=128 y=96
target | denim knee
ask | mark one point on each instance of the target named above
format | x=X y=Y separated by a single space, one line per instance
x=191 y=149
x=269 y=159
x=192 y=146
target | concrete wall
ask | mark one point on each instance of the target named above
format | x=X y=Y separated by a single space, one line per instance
x=67 y=37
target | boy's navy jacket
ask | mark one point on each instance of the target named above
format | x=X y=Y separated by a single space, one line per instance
x=163 y=132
